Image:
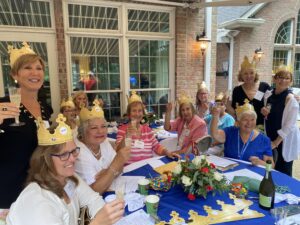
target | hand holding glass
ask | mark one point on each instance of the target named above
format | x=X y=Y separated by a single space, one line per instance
x=15 y=97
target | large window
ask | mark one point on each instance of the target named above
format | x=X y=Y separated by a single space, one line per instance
x=127 y=49
x=287 y=48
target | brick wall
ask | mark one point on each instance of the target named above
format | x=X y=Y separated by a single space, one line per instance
x=61 y=48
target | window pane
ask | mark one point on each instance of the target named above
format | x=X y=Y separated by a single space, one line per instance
x=155 y=101
x=93 y=17
x=296 y=81
x=149 y=64
x=92 y=67
x=25 y=13
x=283 y=35
x=298 y=29
x=279 y=57
x=148 y=21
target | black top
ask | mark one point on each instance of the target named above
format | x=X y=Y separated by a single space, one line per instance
x=274 y=120
x=238 y=96
x=16 y=148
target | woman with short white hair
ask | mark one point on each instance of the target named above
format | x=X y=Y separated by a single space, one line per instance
x=242 y=141
x=98 y=163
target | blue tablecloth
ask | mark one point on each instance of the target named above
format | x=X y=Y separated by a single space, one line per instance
x=175 y=199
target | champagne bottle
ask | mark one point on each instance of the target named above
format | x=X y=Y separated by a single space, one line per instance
x=267 y=189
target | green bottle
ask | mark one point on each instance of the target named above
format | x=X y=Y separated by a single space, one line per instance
x=267 y=189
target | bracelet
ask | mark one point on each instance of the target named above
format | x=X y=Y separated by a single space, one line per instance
x=114 y=172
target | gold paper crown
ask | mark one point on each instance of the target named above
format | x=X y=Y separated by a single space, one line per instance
x=202 y=85
x=184 y=98
x=227 y=213
x=16 y=53
x=219 y=97
x=243 y=108
x=246 y=64
x=283 y=67
x=68 y=103
x=134 y=98
x=62 y=132
x=96 y=112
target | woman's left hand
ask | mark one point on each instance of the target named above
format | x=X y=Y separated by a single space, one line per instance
x=256 y=161
x=172 y=155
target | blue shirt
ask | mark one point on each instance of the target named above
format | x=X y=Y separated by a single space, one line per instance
x=258 y=147
x=225 y=121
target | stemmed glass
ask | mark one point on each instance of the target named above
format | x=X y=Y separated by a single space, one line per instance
x=15 y=97
x=120 y=192
x=268 y=106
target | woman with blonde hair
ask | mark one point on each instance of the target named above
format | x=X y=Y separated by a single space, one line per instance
x=203 y=104
x=54 y=194
x=281 y=121
x=19 y=142
x=251 y=89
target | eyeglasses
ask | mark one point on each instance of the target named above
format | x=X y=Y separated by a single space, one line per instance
x=219 y=103
x=66 y=155
x=283 y=78
x=203 y=93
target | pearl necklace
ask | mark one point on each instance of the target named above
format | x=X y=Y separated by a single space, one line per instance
x=95 y=154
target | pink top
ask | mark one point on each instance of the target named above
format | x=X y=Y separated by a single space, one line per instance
x=190 y=134
x=150 y=143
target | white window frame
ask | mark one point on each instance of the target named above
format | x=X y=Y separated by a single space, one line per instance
x=124 y=35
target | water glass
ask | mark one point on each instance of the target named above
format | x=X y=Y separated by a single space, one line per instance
x=15 y=97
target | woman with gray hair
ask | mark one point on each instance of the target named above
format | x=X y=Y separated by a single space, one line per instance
x=242 y=141
x=98 y=163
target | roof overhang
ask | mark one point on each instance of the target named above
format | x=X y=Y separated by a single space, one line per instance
x=242 y=23
x=224 y=36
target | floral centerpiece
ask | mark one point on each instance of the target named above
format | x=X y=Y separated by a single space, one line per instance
x=198 y=177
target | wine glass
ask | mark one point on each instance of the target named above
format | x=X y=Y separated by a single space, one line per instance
x=120 y=191
x=268 y=106
x=15 y=97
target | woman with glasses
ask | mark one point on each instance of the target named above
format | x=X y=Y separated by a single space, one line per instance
x=18 y=142
x=203 y=104
x=251 y=89
x=54 y=194
x=281 y=121
x=98 y=163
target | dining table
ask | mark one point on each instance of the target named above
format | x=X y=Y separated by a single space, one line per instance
x=176 y=199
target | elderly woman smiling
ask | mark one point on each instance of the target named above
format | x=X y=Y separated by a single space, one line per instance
x=98 y=163
x=243 y=142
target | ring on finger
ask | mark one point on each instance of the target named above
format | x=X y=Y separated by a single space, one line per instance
x=4 y=108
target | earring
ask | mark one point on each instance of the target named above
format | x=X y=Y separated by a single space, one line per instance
x=16 y=81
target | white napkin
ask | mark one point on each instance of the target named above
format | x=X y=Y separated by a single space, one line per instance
x=289 y=198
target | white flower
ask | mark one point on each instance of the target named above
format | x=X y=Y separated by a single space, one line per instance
x=186 y=180
x=218 y=176
x=177 y=169
x=203 y=157
x=197 y=161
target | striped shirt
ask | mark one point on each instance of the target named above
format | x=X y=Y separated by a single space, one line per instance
x=151 y=145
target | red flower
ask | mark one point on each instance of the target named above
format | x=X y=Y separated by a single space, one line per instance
x=204 y=170
x=191 y=197
x=208 y=188
x=212 y=165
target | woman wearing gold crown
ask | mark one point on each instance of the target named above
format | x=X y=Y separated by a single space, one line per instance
x=80 y=100
x=142 y=141
x=242 y=141
x=203 y=104
x=67 y=108
x=18 y=143
x=189 y=126
x=251 y=89
x=54 y=194
x=281 y=121
x=98 y=163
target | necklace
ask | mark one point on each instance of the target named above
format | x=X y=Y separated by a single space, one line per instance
x=95 y=154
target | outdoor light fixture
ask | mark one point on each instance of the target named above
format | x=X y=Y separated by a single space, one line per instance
x=258 y=53
x=203 y=41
